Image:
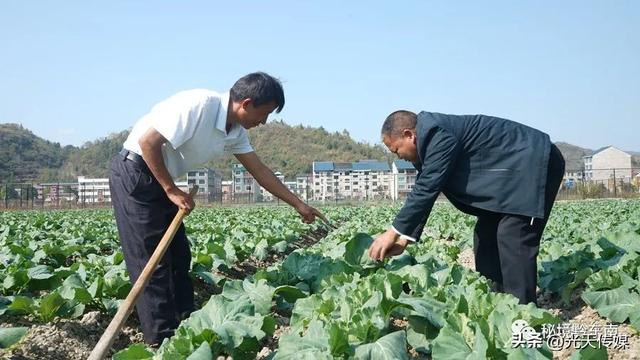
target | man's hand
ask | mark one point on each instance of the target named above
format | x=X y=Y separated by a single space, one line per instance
x=181 y=199
x=309 y=213
x=387 y=244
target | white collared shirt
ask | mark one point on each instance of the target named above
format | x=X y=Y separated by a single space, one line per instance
x=194 y=123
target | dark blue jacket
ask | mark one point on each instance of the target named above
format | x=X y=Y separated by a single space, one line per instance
x=480 y=161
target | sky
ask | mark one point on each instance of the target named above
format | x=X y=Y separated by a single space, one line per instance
x=75 y=71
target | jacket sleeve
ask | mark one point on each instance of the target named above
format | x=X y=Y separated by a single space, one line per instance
x=438 y=157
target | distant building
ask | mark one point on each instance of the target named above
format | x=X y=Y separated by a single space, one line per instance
x=245 y=187
x=606 y=164
x=93 y=190
x=182 y=185
x=404 y=178
x=267 y=196
x=209 y=183
x=227 y=191
x=361 y=180
x=57 y=193
x=572 y=177
x=303 y=186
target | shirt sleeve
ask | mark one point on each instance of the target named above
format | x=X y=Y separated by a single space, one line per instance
x=438 y=160
x=241 y=145
x=403 y=236
x=177 y=117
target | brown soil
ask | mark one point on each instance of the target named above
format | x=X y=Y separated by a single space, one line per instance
x=67 y=339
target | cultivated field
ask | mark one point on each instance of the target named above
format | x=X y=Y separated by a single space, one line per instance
x=271 y=287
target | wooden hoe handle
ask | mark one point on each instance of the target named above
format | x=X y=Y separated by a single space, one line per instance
x=102 y=347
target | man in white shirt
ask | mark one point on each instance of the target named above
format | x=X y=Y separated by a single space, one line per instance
x=178 y=134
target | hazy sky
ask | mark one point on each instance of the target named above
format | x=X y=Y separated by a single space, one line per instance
x=74 y=71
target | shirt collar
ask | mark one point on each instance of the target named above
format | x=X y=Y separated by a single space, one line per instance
x=221 y=120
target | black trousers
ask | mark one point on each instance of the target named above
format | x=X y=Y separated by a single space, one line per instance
x=506 y=245
x=143 y=213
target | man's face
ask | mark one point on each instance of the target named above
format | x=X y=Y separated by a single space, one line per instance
x=250 y=116
x=403 y=145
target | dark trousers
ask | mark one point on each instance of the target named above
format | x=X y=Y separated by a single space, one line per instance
x=143 y=213
x=506 y=246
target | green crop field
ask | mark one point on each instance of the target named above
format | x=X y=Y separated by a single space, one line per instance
x=271 y=287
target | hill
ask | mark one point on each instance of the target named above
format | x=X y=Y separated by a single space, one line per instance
x=27 y=157
x=285 y=148
x=292 y=149
x=573 y=155
x=288 y=149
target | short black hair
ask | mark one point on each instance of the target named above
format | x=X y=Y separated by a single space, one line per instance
x=261 y=88
x=398 y=121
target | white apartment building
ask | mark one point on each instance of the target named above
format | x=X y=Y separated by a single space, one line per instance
x=404 y=178
x=245 y=187
x=303 y=186
x=298 y=187
x=361 y=180
x=267 y=196
x=608 y=163
x=227 y=191
x=182 y=185
x=209 y=183
x=93 y=190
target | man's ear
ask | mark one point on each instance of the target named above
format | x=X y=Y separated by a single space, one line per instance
x=409 y=134
x=245 y=103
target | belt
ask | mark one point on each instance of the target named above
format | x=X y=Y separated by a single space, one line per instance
x=130 y=155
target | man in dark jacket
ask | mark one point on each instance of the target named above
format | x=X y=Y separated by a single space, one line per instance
x=505 y=173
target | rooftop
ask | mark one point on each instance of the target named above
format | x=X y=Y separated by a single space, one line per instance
x=362 y=165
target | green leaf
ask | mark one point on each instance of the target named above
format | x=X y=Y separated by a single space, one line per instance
x=290 y=293
x=591 y=353
x=427 y=308
x=521 y=353
x=280 y=246
x=20 y=305
x=604 y=280
x=357 y=254
x=233 y=321
x=451 y=345
x=313 y=345
x=578 y=280
x=338 y=340
x=4 y=305
x=260 y=251
x=209 y=277
x=419 y=341
x=304 y=310
x=39 y=272
x=95 y=289
x=391 y=346
x=616 y=305
x=49 y=306
x=16 y=280
x=634 y=320
x=203 y=352
x=259 y=293
x=269 y=325
x=10 y=336
x=111 y=305
x=134 y=352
